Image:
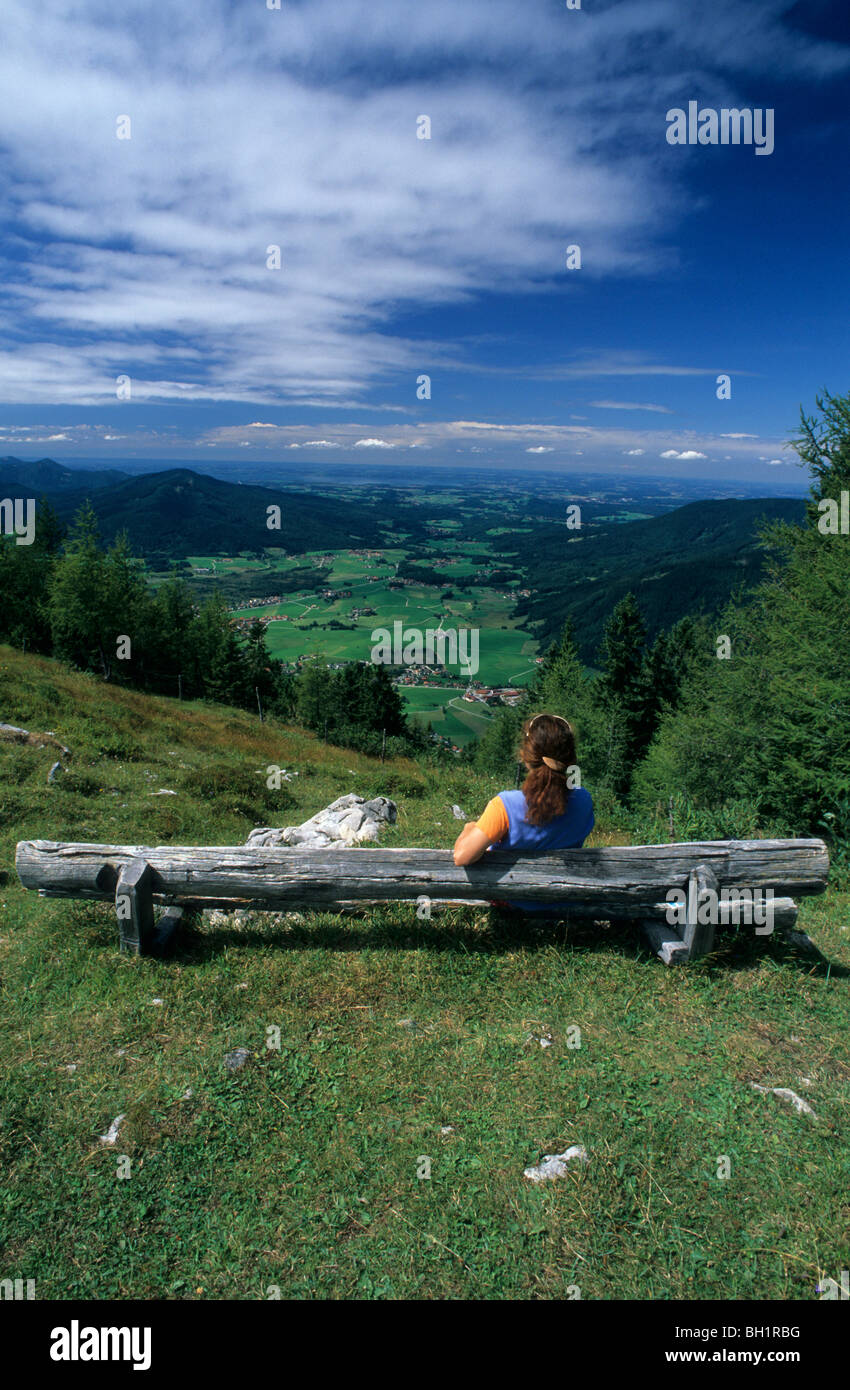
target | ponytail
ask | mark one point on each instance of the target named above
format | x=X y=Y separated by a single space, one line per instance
x=549 y=751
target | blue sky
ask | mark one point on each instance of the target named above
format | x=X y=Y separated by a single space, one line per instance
x=146 y=257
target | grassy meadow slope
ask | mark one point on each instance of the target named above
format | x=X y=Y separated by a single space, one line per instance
x=400 y=1039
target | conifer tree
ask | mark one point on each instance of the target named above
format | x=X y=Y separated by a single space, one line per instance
x=769 y=723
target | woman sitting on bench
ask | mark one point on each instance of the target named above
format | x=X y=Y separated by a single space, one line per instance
x=547 y=813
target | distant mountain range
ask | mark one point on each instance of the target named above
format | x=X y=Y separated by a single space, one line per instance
x=45 y=476
x=179 y=512
x=688 y=560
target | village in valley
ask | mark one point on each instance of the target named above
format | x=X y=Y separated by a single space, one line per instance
x=364 y=587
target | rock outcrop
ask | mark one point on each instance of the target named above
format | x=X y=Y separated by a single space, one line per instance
x=350 y=820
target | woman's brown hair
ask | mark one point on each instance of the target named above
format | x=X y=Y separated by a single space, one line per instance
x=549 y=751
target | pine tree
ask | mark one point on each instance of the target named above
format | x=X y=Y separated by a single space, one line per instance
x=75 y=594
x=312 y=695
x=769 y=725
x=623 y=690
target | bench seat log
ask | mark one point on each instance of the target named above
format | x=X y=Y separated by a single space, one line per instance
x=618 y=877
x=616 y=882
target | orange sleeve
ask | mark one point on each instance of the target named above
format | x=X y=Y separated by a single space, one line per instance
x=494 y=822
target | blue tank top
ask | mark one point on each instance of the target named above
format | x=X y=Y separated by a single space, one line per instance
x=568 y=831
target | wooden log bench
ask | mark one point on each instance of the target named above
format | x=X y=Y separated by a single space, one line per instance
x=707 y=880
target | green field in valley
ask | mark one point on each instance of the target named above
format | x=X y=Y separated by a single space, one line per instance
x=506 y=654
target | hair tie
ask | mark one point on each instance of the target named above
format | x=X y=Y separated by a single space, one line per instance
x=555 y=765
x=551 y=716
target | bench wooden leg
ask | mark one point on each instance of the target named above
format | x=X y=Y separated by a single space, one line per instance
x=665 y=941
x=134 y=906
x=699 y=936
x=164 y=937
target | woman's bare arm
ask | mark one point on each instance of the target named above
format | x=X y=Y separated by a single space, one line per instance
x=470 y=844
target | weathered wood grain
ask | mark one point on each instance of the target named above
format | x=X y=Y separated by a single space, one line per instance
x=665 y=941
x=699 y=936
x=134 y=906
x=625 y=880
x=163 y=939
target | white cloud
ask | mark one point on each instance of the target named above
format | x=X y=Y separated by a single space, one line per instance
x=634 y=451
x=739 y=436
x=631 y=405
x=540 y=449
x=252 y=128
x=373 y=444
x=686 y=454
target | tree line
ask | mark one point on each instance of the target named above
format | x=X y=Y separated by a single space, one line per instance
x=70 y=597
x=731 y=727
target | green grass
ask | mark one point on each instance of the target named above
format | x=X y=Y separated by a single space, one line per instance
x=300 y=1169
x=506 y=654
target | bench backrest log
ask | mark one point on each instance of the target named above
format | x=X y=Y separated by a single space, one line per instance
x=623 y=881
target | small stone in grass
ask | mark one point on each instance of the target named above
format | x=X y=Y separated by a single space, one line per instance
x=237 y=1058
x=447 y=1129
x=111 y=1135
x=556 y=1165
x=157 y=1001
x=784 y=1093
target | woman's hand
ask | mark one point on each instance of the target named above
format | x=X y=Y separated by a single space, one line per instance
x=470 y=844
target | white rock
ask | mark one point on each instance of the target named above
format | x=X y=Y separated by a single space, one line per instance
x=350 y=820
x=784 y=1093
x=556 y=1165
x=111 y=1134
x=801 y=1106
